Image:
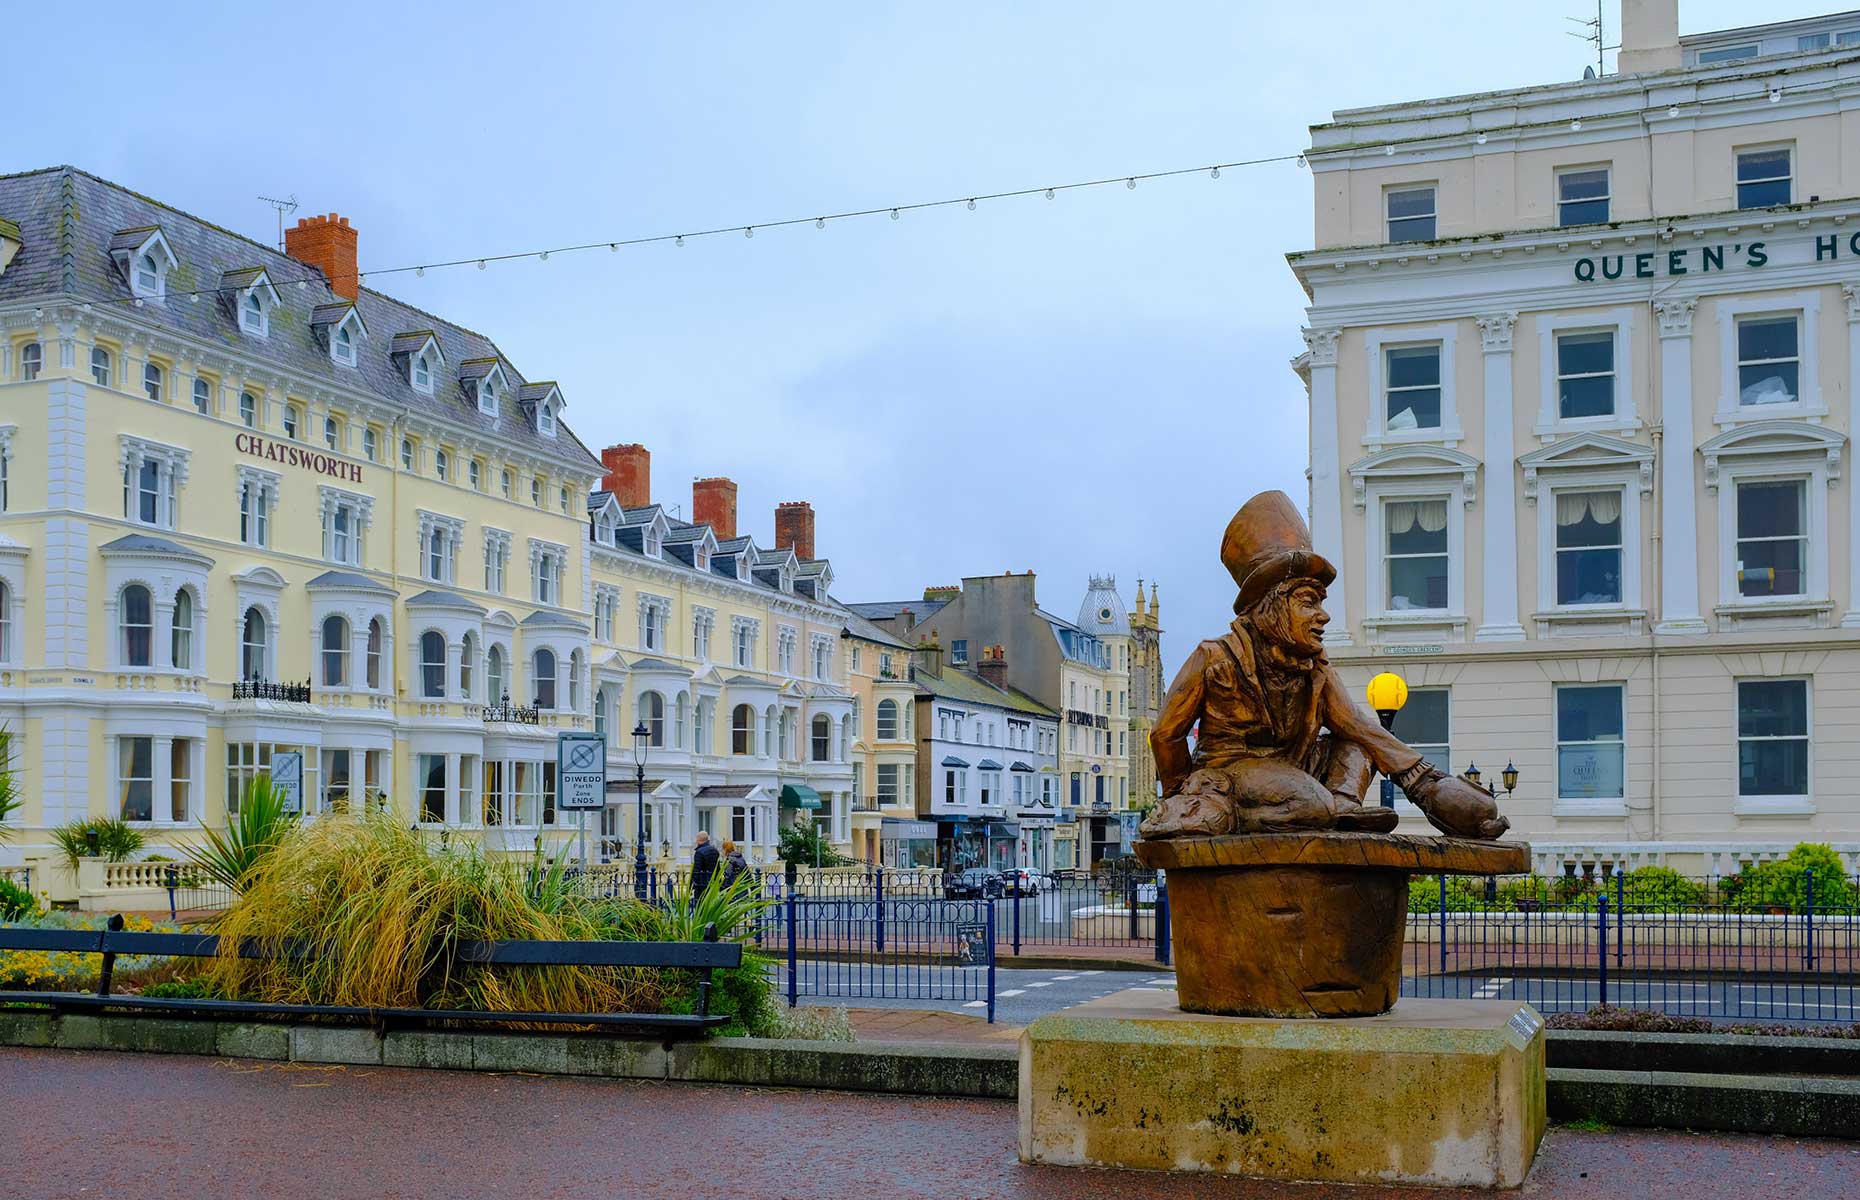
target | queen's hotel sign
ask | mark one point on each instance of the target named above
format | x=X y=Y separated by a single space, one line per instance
x=288 y=454
x=1676 y=261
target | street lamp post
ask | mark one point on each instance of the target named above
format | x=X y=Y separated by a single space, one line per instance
x=641 y=736
x=1387 y=693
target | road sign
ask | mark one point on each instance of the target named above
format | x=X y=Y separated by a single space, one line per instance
x=287 y=775
x=581 y=765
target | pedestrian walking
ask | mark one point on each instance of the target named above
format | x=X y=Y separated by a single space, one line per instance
x=703 y=864
x=734 y=864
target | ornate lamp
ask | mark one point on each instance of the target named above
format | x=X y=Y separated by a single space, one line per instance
x=642 y=738
x=1509 y=776
x=1471 y=774
x=1387 y=693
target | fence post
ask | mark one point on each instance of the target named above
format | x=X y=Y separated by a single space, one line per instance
x=1443 y=924
x=1017 y=912
x=1601 y=948
x=1130 y=899
x=169 y=881
x=794 y=992
x=991 y=959
x=878 y=910
x=1808 y=918
x=1620 y=914
x=1162 y=920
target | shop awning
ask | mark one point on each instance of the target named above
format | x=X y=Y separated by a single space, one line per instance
x=799 y=795
x=1003 y=829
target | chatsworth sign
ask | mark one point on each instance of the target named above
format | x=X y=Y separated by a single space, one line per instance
x=1709 y=260
x=302 y=457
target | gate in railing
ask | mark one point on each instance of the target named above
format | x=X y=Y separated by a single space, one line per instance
x=901 y=948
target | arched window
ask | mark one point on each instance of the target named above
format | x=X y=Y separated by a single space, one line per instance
x=742 y=730
x=374 y=653
x=888 y=720
x=253 y=642
x=252 y=313
x=700 y=727
x=487 y=397
x=652 y=714
x=543 y=671
x=31 y=361
x=496 y=687
x=344 y=346
x=574 y=682
x=433 y=665
x=151 y=381
x=203 y=395
x=775 y=733
x=181 y=635
x=423 y=373
x=148 y=276
x=678 y=722
x=335 y=652
x=332 y=433
x=138 y=621
x=100 y=366
x=821 y=739
x=6 y=627
x=600 y=712
x=468 y=654
x=248 y=410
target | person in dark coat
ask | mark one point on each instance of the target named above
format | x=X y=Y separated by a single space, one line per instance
x=734 y=864
x=703 y=864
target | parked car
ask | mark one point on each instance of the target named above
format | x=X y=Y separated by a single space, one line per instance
x=976 y=883
x=1032 y=882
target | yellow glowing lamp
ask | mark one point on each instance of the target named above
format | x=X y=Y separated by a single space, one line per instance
x=1387 y=693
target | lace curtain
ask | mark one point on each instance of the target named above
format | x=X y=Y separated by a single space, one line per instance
x=1404 y=515
x=1571 y=507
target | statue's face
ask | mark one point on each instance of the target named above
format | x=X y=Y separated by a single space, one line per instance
x=1298 y=625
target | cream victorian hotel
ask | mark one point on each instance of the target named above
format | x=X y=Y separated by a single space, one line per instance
x=250 y=507
x=1582 y=363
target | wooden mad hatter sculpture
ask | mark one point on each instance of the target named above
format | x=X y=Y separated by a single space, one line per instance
x=1281 y=745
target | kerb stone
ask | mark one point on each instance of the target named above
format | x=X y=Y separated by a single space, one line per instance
x=335 y=1044
x=1445 y=1093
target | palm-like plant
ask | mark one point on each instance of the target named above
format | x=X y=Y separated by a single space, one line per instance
x=731 y=909
x=10 y=801
x=116 y=840
x=254 y=832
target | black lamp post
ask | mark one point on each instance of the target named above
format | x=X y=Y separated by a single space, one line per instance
x=1388 y=692
x=641 y=735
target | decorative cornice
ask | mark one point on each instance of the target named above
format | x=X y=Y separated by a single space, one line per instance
x=1676 y=317
x=1322 y=343
x=1495 y=331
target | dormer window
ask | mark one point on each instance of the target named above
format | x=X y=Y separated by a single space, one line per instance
x=545 y=418
x=423 y=372
x=143 y=256
x=701 y=558
x=488 y=394
x=252 y=316
x=342 y=349
x=341 y=328
x=149 y=277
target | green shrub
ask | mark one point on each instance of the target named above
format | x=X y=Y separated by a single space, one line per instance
x=745 y=994
x=117 y=841
x=10 y=801
x=233 y=858
x=1659 y=889
x=180 y=989
x=802 y=845
x=1784 y=883
x=15 y=901
x=1464 y=894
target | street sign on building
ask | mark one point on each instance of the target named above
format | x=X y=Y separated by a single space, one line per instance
x=287 y=776
x=581 y=768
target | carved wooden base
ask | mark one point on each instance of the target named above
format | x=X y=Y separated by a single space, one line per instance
x=1302 y=924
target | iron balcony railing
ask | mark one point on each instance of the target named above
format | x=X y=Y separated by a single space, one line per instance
x=513 y=713
x=264 y=689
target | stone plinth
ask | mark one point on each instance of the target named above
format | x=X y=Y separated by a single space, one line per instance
x=1437 y=1092
x=1302 y=924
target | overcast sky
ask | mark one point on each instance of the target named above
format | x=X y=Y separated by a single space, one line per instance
x=1088 y=384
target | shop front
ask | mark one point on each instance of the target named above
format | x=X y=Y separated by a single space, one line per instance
x=1036 y=842
x=905 y=843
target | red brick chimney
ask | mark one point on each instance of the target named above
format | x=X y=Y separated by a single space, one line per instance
x=794 y=528
x=993 y=667
x=629 y=474
x=713 y=503
x=329 y=243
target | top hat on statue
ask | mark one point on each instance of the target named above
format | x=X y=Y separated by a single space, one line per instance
x=1268 y=543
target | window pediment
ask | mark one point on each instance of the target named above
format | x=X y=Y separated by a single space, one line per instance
x=260 y=577
x=1410 y=462
x=129 y=247
x=1588 y=452
x=1773 y=439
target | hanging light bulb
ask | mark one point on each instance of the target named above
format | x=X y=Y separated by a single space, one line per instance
x=1301 y=160
x=419 y=272
x=1575 y=126
x=749 y=231
x=679 y=240
x=195 y=297
x=1388 y=149
x=820 y=222
x=1775 y=95
x=481 y=264
x=138 y=302
x=1049 y=193
x=894 y=214
x=971 y=204
x=543 y=257
x=38 y=314
x=613 y=247
x=1214 y=172
x=1480 y=139
x=1131 y=183
x=1672 y=110
x=302 y=285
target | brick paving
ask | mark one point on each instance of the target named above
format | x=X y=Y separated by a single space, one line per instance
x=167 y=1126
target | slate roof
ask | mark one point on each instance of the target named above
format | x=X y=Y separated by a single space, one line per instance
x=133 y=239
x=885 y=610
x=865 y=631
x=433 y=598
x=659 y=665
x=347 y=579
x=965 y=687
x=542 y=618
x=142 y=543
x=725 y=791
x=67 y=220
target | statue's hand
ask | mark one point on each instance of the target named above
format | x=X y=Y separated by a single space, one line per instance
x=1451 y=804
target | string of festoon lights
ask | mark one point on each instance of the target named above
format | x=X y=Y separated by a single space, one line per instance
x=750 y=229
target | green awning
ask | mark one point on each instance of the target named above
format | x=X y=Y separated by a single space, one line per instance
x=799 y=795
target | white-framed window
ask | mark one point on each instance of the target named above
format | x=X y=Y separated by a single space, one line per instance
x=1724 y=54
x=474 y=474
x=1411 y=212
x=258 y=497
x=135 y=777
x=1769 y=357
x=1411 y=378
x=136 y=616
x=1425 y=723
x=1586 y=377
x=887 y=720
x=822 y=658
x=496 y=560
x=345 y=516
x=655 y=614
x=332 y=433
x=149 y=277
x=31 y=361
x=1582 y=195
x=487 y=395
x=254 y=316
x=703 y=621
x=1590 y=547
x=1773 y=746
x=423 y=372
x=820 y=739
x=152 y=475
x=100 y=366
x=545 y=418
x=203 y=395
x=1769 y=360
x=1772 y=547
x=254 y=645
x=742 y=730
x=496 y=679
x=958 y=651
x=152 y=381
x=291 y=416
x=180 y=630
x=468 y=658
x=743 y=633
x=606 y=606
x=248 y=410
x=536 y=491
x=1585 y=374
x=1591 y=747
x=547 y=562
x=1417 y=554
x=651 y=540
x=785 y=639
x=1765 y=176
x=406 y=454
x=371 y=445
x=334 y=652
x=542 y=677
x=442 y=464
x=652 y=715
x=440 y=537
x=504 y=483
x=342 y=345
x=377 y=635
x=433 y=665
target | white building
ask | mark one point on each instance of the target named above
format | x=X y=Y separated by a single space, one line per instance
x=1580 y=362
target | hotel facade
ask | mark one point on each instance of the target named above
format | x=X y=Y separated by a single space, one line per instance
x=1581 y=364
x=247 y=506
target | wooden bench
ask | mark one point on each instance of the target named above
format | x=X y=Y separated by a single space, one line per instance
x=701 y=957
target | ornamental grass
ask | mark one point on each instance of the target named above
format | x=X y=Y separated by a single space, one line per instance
x=377 y=914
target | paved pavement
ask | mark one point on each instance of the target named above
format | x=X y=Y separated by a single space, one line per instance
x=1020 y=995
x=159 y=1126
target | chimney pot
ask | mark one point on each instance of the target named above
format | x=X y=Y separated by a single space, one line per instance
x=629 y=474
x=327 y=243
x=713 y=503
x=794 y=528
